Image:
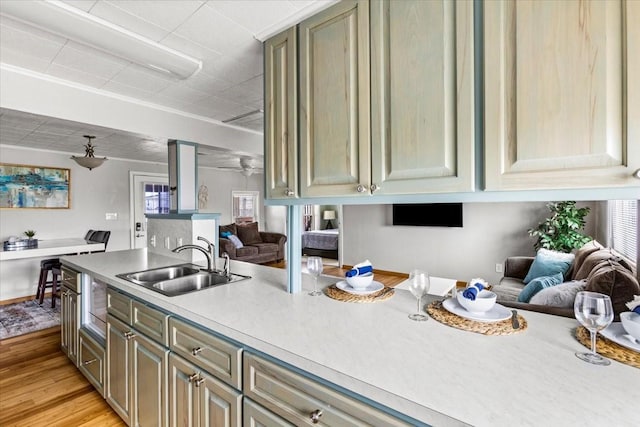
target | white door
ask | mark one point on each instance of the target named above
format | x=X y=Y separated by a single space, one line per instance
x=149 y=195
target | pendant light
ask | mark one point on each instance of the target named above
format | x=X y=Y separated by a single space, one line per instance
x=89 y=161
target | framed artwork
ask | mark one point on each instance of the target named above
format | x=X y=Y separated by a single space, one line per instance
x=34 y=187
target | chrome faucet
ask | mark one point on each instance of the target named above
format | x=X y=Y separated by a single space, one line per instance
x=206 y=252
x=226 y=270
x=212 y=249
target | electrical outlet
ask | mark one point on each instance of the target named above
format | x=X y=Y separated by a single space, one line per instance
x=178 y=241
x=167 y=242
x=111 y=216
x=499 y=268
x=152 y=241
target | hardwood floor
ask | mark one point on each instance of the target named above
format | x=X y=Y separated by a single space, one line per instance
x=39 y=386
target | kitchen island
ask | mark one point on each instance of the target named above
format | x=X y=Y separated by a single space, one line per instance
x=425 y=370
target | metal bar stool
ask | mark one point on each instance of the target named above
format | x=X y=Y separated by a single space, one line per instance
x=48 y=265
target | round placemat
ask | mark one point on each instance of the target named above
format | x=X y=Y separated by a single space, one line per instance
x=340 y=295
x=502 y=327
x=608 y=348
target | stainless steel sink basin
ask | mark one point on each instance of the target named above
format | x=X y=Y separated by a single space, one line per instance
x=159 y=274
x=179 y=279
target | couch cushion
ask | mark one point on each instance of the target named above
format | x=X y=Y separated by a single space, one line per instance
x=581 y=255
x=598 y=257
x=231 y=228
x=538 y=284
x=562 y=295
x=611 y=278
x=548 y=263
x=249 y=233
x=266 y=248
x=246 y=251
x=236 y=242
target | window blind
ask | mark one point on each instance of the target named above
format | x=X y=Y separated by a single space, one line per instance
x=623 y=223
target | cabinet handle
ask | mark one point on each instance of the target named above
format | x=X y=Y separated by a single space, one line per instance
x=374 y=188
x=199 y=382
x=196 y=351
x=194 y=376
x=89 y=362
x=361 y=188
x=129 y=335
x=288 y=192
x=315 y=416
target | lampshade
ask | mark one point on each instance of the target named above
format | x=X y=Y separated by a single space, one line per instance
x=89 y=161
x=328 y=215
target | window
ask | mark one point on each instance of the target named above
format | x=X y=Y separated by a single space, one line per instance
x=623 y=227
x=156 y=199
x=245 y=206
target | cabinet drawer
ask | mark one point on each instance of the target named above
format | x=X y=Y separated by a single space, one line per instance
x=151 y=322
x=71 y=279
x=216 y=356
x=255 y=415
x=119 y=305
x=296 y=397
x=91 y=358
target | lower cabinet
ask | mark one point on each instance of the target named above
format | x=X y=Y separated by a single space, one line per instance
x=91 y=360
x=198 y=399
x=70 y=322
x=136 y=376
x=257 y=416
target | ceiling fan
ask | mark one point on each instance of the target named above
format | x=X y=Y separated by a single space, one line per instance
x=246 y=166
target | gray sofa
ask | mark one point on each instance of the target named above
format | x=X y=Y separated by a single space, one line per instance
x=604 y=270
x=259 y=247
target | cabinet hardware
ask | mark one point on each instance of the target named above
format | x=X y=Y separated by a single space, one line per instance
x=129 y=335
x=196 y=351
x=288 y=192
x=89 y=362
x=374 y=188
x=194 y=376
x=199 y=382
x=361 y=188
x=315 y=416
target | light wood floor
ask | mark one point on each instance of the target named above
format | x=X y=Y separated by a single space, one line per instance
x=39 y=386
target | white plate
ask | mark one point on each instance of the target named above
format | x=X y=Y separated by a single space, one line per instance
x=615 y=332
x=496 y=314
x=371 y=289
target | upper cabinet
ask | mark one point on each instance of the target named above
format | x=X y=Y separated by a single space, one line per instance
x=334 y=101
x=422 y=75
x=561 y=94
x=281 y=119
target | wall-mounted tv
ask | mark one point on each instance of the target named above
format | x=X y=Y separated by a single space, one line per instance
x=428 y=214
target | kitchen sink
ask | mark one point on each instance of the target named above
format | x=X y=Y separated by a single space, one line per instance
x=179 y=279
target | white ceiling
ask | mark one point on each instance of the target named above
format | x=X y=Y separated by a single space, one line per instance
x=221 y=33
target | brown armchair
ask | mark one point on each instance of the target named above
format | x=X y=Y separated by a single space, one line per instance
x=258 y=247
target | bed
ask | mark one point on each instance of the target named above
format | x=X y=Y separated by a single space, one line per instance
x=322 y=243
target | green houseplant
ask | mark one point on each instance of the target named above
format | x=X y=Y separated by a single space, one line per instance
x=30 y=234
x=562 y=231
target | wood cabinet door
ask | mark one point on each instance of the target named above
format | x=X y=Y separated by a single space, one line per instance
x=118 y=387
x=281 y=116
x=69 y=319
x=334 y=101
x=220 y=405
x=561 y=94
x=255 y=415
x=183 y=409
x=148 y=382
x=422 y=83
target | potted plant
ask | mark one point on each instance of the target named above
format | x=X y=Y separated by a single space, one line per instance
x=30 y=234
x=562 y=231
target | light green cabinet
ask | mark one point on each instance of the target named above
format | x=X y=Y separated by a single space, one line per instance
x=281 y=115
x=562 y=98
x=70 y=313
x=334 y=101
x=422 y=115
x=255 y=415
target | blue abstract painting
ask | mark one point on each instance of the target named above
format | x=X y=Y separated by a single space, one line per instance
x=23 y=186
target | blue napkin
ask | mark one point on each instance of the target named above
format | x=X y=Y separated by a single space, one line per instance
x=360 y=269
x=471 y=292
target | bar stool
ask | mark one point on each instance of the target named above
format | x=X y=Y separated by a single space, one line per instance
x=48 y=265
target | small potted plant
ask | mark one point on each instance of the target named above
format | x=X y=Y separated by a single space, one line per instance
x=30 y=234
x=562 y=231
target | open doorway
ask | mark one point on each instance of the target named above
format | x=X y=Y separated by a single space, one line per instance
x=321 y=234
x=149 y=194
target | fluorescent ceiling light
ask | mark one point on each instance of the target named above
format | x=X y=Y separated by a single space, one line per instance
x=72 y=23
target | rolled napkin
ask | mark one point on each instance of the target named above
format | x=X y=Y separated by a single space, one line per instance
x=473 y=288
x=360 y=269
x=634 y=305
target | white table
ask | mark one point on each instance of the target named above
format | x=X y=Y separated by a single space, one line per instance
x=20 y=269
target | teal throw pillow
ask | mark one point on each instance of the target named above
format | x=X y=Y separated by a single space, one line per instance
x=225 y=234
x=538 y=284
x=548 y=263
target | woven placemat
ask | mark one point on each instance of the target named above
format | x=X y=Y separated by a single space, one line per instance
x=340 y=295
x=439 y=313
x=608 y=348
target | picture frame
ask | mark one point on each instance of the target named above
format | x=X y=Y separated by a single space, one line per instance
x=34 y=187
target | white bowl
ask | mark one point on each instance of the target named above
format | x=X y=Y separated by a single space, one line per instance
x=485 y=300
x=360 y=282
x=631 y=323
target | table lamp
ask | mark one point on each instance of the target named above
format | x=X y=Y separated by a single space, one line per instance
x=328 y=216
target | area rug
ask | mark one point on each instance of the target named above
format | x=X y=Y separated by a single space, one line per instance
x=27 y=316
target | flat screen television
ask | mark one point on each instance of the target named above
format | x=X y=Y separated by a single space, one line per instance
x=428 y=214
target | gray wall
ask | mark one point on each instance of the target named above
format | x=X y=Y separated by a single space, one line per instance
x=491 y=232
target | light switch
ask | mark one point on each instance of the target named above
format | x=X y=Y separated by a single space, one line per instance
x=167 y=242
x=178 y=241
x=111 y=216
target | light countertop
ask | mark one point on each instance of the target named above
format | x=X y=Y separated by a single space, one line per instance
x=51 y=247
x=427 y=370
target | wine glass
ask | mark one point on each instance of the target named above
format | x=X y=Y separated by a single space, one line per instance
x=594 y=312
x=314 y=267
x=419 y=286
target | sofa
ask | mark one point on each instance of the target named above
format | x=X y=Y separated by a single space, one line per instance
x=244 y=242
x=593 y=268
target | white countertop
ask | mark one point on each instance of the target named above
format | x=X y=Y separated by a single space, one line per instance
x=427 y=370
x=51 y=247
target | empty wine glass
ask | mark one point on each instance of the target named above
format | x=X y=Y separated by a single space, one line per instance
x=419 y=286
x=594 y=312
x=314 y=267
